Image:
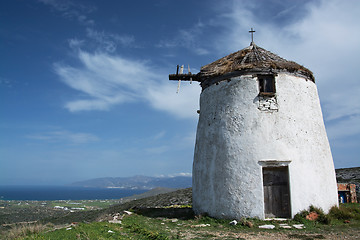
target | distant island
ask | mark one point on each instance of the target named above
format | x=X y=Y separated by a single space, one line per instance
x=137 y=182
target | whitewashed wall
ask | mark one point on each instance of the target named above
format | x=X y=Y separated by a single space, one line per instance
x=235 y=132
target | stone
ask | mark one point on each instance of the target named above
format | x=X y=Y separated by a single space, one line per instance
x=128 y=213
x=269 y=226
x=233 y=222
x=201 y=225
x=115 y=221
x=284 y=225
x=312 y=216
x=299 y=226
x=249 y=224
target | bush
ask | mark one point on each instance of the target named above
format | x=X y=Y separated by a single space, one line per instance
x=324 y=219
x=301 y=216
x=23 y=230
x=149 y=234
x=341 y=213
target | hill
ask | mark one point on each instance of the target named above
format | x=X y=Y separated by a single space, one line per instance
x=137 y=182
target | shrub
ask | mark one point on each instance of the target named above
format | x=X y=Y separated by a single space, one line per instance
x=26 y=229
x=149 y=234
x=316 y=209
x=341 y=213
x=324 y=219
x=301 y=216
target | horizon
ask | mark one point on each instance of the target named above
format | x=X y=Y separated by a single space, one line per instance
x=85 y=89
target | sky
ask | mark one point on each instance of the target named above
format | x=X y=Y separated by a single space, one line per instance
x=84 y=89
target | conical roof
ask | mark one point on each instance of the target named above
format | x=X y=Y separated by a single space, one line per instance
x=253 y=59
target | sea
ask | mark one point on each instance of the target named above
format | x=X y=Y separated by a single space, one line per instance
x=48 y=193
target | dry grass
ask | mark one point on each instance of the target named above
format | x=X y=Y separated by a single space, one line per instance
x=252 y=58
x=22 y=230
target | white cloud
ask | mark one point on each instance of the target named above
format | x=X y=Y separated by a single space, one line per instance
x=184 y=104
x=189 y=38
x=75 y=43
x=65 y=136
x=5 y=82
x=182 y=174
x=157 y=150
x=109 y=41
x=106 y=80
x=160 y=135
x=344 y=128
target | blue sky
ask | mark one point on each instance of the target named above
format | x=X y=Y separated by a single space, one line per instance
x=84 y=84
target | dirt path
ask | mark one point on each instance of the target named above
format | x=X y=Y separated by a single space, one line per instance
x=203 y=234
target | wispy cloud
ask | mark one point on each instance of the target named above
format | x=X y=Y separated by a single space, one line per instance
x=160 y=135
x=187 y=38
x=343 y=128
x=182 y=174
x=64 y=136
x=76 y=43
x=109 y=41
x=72 y=10
x=6 y=82
x=157 y=150
x=106 y=80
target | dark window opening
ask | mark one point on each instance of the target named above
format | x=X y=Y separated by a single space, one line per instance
x=267 y=85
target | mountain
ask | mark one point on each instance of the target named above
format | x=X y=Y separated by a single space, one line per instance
x=137 y=182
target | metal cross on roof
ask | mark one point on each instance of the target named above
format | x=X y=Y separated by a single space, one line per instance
x=252 y=35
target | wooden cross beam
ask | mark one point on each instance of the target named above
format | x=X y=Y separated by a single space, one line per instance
x=184 y=76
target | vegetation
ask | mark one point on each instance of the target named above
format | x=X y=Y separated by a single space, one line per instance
x=159 y=223
x=170 y=216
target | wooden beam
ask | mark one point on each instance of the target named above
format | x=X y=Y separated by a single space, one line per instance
x=184 y=77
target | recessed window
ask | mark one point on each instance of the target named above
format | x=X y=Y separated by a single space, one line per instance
x=267 y=85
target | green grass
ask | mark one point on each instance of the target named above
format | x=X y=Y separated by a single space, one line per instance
x=87 y=204
x=96 y=230
x=133 y=227
x=140 y=226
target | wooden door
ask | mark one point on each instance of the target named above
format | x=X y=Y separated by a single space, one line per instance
x=276 y=192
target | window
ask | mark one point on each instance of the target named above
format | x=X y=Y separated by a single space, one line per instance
x=267 y=85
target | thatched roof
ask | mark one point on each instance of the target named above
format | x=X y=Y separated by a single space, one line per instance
x=252 y=58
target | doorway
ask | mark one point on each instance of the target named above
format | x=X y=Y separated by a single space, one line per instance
x=276 y=192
